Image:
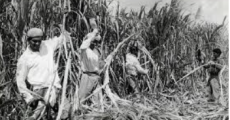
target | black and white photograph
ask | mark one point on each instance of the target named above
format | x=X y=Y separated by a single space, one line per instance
x=114 y=60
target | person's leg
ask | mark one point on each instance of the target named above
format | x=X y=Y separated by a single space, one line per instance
x=40 y=105
x=83 y=87
x=215 y=89
x=87 y=85
x=95 y=84
x=208 y=91
x=133 y=84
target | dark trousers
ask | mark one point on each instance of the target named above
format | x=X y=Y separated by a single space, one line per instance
x=132 y=82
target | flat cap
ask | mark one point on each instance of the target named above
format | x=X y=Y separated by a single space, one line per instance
x=35 y=32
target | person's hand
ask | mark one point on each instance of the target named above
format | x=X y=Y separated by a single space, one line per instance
x=101 y=64
x=99 y=71
x=211 y=62
x=28 y=98
x=146 y=71
x=94 y=35
x=101 y=67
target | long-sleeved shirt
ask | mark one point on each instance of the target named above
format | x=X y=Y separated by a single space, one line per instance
x=38 y=68
x=133 y=66
x=89 y=58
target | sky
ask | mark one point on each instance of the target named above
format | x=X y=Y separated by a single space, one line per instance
x=211 y=10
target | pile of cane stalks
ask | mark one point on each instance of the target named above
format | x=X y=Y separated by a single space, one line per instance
x=173 y=46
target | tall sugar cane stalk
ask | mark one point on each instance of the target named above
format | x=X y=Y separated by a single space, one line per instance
x=68 y=64
x=63 y=97
x=48 y=95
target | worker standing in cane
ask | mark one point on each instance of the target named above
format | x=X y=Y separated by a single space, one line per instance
x=37 y=66
x=90 y=63
x=133 y=67
x=214 y=67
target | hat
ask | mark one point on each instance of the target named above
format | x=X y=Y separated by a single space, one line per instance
x=34 y=32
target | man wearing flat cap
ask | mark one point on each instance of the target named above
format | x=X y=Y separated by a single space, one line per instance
x=37 y=66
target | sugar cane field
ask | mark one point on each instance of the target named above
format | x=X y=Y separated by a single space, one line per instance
x=173 y=48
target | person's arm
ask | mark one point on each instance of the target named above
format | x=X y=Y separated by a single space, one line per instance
x=140 y=69
x=86 y=43
x=56 y=42
x=220 y=64
x=88 y=39
x=212 y=63
x=22 y=71
x=136 y=63
x=207 y=65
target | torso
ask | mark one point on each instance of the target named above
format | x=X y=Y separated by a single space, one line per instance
x=130 y=64
x=90 y=60
x=40 y=64
x=213 y=70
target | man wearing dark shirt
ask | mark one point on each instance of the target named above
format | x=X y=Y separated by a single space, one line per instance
x=214 y=67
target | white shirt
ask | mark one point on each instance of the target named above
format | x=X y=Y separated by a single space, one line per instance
x=89 y=59
x=38 y=68
x=133 y=65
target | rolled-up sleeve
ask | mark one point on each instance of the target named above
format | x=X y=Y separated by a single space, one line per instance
x=22 y=71
x=87 y=41
x=85 y=44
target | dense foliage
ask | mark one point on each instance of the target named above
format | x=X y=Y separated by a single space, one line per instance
x=170 y=42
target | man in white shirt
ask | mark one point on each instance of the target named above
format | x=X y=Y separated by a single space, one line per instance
x=37 y=65
x=90 y=63
x=133 y=67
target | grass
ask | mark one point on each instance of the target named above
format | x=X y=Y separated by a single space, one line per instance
x=170 y=41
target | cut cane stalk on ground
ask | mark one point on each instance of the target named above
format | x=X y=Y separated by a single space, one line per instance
x=171 y=36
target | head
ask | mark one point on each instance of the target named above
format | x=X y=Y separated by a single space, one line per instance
x=216 y=53
x=96 y=39
x=133 y=48
x=34 y=37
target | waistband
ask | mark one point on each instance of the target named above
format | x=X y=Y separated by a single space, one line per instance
x=90 y=73
x=39 y=87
